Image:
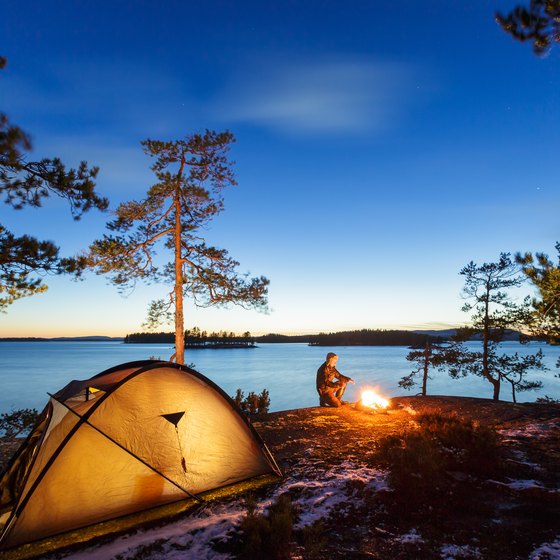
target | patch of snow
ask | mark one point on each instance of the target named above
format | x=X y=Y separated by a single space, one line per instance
x=523 y=485
x=455 y=552
x=547 y=551
x=185 y=539
x=411 y=537
x=540 y=430
x=189 y=538
x=522 y=460
x=315 y=499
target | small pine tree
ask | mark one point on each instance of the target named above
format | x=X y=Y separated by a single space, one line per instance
x=494 y=314
x=18 y=422
x=252 y=403
x=264 y=401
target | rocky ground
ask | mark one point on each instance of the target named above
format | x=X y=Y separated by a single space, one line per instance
x=507 y=517
x=345 y=505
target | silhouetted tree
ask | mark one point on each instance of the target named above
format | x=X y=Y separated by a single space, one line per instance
x=494 y=314
x=191 y=175
x=538 y=22
x=432 y=356
x=252 y=403
x=544 y=274
x=24 y=182
x=18 y=422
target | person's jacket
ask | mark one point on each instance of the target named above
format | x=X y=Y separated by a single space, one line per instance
x=326 y=375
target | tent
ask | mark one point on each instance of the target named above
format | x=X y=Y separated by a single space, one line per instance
x=134 y=437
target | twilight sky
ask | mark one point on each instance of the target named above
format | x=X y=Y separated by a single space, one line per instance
x=380 y=148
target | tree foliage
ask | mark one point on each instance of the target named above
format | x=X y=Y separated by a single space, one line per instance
x=494 y=313
x=18 y=422
x=538 y=22
x=25 y=260
x=252 y=403
x=195 y=338
x=191 y=175
x=432 y=356
x=544 y=274
x=27 y=183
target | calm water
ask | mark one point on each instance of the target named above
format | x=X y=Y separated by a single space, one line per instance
x=28 y=370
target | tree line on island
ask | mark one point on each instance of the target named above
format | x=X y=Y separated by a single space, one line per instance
x=363 y=337
x=196 y=338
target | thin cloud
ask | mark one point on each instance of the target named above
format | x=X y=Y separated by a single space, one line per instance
x=118 y=96
x=320 y=96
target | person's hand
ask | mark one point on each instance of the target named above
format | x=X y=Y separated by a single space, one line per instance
x=350 y=380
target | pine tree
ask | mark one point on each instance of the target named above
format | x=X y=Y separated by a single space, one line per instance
x=538 y=22
x=544 y=321
x=431 y=356
x=25 y=260
x=191 y=175
x=494 y=315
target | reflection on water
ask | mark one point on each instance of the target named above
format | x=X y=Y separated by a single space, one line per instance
x=28 y=370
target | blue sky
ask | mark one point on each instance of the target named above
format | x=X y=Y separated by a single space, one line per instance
x=380 y=148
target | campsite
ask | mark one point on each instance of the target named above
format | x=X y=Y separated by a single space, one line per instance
x=279 y=280
x=342 y=504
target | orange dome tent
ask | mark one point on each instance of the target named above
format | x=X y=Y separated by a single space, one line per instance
x=137 y=436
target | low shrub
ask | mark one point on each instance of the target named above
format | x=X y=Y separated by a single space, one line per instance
x=265 y=536
x=468 y=446
x=314 y=541
x=252 y=403
x=420 y=461
x=150 y=551
x=547 y=400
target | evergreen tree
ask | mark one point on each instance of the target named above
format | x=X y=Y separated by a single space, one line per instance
x=24 y=182
x=544 y=321
x=539 y=22
x=494 y=314
x=431 y=356
x=191 y=175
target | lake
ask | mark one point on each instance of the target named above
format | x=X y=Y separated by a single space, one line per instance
x=30 y=370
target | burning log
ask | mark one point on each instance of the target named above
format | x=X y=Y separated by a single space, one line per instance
x=372 y=402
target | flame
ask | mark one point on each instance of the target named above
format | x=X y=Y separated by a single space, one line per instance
x=372 y=399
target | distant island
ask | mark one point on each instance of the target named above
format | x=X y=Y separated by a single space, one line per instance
x=196 y=338
x=369 y=337
x=363 y=337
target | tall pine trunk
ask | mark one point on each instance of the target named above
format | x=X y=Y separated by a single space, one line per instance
x=485 y=343
x=427 y=352
x=179 y=317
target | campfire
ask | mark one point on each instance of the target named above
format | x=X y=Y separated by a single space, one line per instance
x=370 y=400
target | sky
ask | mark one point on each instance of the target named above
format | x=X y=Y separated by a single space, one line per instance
x=380 y=147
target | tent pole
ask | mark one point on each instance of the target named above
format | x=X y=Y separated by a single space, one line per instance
x=85 y=421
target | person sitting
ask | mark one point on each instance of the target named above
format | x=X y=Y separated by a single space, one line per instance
x=331 y=391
